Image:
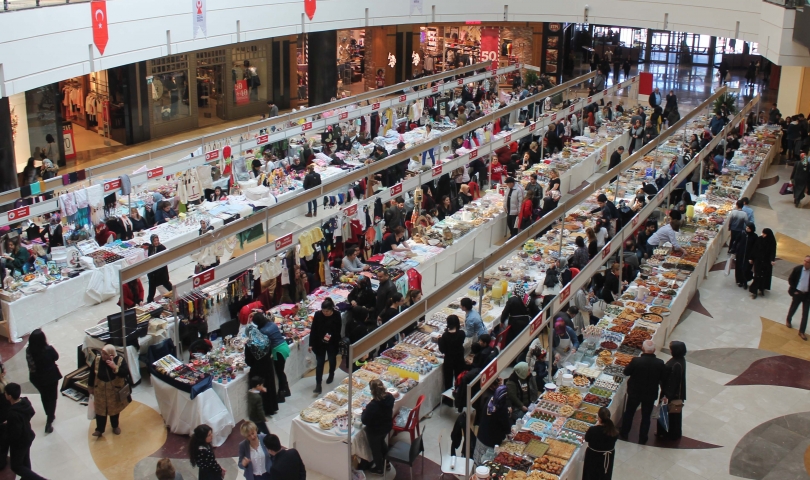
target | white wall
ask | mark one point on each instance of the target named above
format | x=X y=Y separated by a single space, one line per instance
x=22 y=149
x=45 y=45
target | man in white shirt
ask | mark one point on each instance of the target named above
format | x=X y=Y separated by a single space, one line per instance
x=799 y=291
x=667 y=233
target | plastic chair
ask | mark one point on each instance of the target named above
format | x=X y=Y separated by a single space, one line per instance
x=407 y=453
x=412 y=425
x=574 y=272
x=458 y=469
x=500 y=339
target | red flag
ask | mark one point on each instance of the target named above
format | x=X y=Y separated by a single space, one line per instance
x=309 y=8
x=98 y=8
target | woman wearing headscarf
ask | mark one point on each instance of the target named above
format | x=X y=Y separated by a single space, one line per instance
x=565 y=338
x=764 y=259
x=673 y=391
x=516 y=316
x=521 y=389
x=53 y=232
x=745 y=250
x=800 y=177
x=362 y=294
x=103 y=234
x=494 y=424
x=109 y=376
x=600 y=453
x=279 y=350
x=258 y=356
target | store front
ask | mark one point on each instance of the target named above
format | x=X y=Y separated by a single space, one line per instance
x=210 y=87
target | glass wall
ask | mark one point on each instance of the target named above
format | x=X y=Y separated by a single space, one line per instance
x=44 y=123
x=249 y=66
x=169 y=89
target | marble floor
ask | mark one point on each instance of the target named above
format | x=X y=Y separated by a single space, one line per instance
x=748 y=384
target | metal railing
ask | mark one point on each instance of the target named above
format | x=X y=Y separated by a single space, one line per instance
x=9 y=5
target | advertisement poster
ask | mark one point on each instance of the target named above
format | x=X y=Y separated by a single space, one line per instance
x=70 y=146
x=199 y=13
x=241 y=92
x=490 y=41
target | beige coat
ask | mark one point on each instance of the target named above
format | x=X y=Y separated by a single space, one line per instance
x=105 y=395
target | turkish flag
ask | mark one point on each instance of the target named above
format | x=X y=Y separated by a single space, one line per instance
x=309 y=8
x=98 y=8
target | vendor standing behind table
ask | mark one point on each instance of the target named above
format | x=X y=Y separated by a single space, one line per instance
x=159 y=276
x=451 y=344
x=667 y=233
x=473 y=325
x=392 y=242
x=600 y=453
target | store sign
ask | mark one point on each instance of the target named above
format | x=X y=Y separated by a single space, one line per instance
x=474 y=154
x=564 y=294
x=553 y=27
x=213 y=155
x=262 y=139
x=437 y=170
x=204 y=278
x=395 y=190
x=535 y=325
x=606 y=251
x=489 y=373
x=241 y=92
x=112 y=185
x=309 y=8
x=375 y=106
x=199 y=14
x=101 y=36
x=343 y=116
x=154 y=173
x=284 y=241
x=18 y=213
x=490 y=44
x=351 y=210
x=67 y=137
x=306 y=126
x=402 y=98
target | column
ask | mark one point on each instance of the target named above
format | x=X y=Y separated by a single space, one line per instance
x=322 y=67
x=280 y=71
x=8 y=169
x=794 y=90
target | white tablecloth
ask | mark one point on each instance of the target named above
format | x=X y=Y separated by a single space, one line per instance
x=182 y=414
x=234 y=395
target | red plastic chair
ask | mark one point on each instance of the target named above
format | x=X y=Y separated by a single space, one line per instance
x=500 y=339
x=574 y=272
x=412 y=425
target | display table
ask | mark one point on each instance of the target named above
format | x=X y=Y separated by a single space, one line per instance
x=573 y=178
x=182 y=414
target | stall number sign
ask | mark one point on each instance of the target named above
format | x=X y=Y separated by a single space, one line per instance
x=535 y=325
x=18 y=213
x=306 y=126
x=262 y=139
x=204 y=278
x=571 y=109
x=507 y=139
x=395 y=190
x=590 y=99
x=284 y=241
x=460 y=81
x=154 y=173
x=635 y=221
x=553 y=117
x=343 y=116
x=661 y=195
x=213 y=155
x=402 y=98
x=351 y=210
x=564 y=294
x=532 y=127
x=489 y=373
x=606 y=251
x=375 y=106
x=437 y=170
x=435 y=89
x=474 y=154
x=112 y=185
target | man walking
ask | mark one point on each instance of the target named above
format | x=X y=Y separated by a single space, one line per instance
x=646 y=376
x=287 y=463
x=799 y=291
x=20 y=433
x=615 y=159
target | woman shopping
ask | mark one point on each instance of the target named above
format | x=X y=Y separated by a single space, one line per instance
x=44 y=374
x=159 y=276
x=259 y=357
x=745 y=250
x=110 y=387
x=451 y=344
x=279 y=350
x=254 y=459
x=325 y=341
x=673 y=392
x=521 y=390
x=495 y=424
x=764 y=261
x=201 y=454
x=600 y=455
x=378 y=422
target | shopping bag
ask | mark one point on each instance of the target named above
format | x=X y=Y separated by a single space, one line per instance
x=787 y=189
x=663 y=417
x=656 y=412
x=91 y=408
x=727 y=270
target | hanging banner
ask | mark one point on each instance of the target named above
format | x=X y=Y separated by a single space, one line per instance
x=241 y=92
x=416 y=5
x=199 y=14
x=98 y=9
x=490 y=40
x=309 y=8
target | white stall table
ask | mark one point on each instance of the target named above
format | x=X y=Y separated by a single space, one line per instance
x=182 y=414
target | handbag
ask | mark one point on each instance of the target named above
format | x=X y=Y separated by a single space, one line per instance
x=676 y=406
x=124 y=393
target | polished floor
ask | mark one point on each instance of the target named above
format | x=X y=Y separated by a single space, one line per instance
x=748 y=385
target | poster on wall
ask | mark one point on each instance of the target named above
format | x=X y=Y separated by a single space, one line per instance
x=552 y=54
x=101 y=36
x=490 y=40
x=67 y=136
x=241 y=92
x=199 y=13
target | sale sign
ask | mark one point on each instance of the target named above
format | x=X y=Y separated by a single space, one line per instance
x=70 y=145
x=489 y=373
x=490 y=44
x=101 y=36
x=241 y=92
x=204 y=278
x=19 y=213
x=284 y=241
x=154 y=173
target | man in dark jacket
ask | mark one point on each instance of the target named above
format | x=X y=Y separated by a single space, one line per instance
x=609 y=212
x=799 y=291
x=646 y=376
x=615 y=159
x=287 y=463
x=312 y=180
x=384 y=291
x=20 y=433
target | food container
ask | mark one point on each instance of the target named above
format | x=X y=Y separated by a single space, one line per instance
x=568 y=379
x=482 y=472
x=550 y=387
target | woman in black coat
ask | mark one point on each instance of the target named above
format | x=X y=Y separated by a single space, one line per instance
x=673 y=392
x=324 y=339
x=763 y=263
x=600 y=453
x=378 y=422
x=517 y=316
x=362 y=295
x=259 y=357
x=745 y=250
x=43 y=373
x=159 y=276
x=451 y=344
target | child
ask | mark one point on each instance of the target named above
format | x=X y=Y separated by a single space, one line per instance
x=255 y=406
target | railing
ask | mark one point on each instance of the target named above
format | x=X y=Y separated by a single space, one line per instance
x=9 y=5
x=788 y=3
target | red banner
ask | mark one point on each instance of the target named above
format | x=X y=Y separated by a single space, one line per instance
x=309 y=8
x=154 y=172
x=18 y=213
x=98 y=9
x=489 y=373
x=242 y=93
x=490 y=44
x=204 y=277
x=284 y=241
x=112 y=185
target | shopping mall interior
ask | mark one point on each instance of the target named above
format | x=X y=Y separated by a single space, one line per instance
x=527 y=241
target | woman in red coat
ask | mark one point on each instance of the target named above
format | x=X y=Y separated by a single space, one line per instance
x=525 y=218
x=132 y=293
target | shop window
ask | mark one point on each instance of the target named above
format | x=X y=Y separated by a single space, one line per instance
x=169 y=88
x=248 y=70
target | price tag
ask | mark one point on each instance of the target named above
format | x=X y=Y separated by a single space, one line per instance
x=564 y=294
x=402 y=98
x=18 y=213
x=535 y=325
x=460 y=81
x=284 y=241
x=204 y=277
x=606 y=251
x=489 y=373
x=306 y=126
x=262 y=139
x=437 y=170
x=351 y=210
x=158 y=172
x=375 y=106
x=435 y=89
x=395 y=190
x=507 y=139
x=112 y=185
x=474 y=154
x=343 y=116
x=213 y=155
